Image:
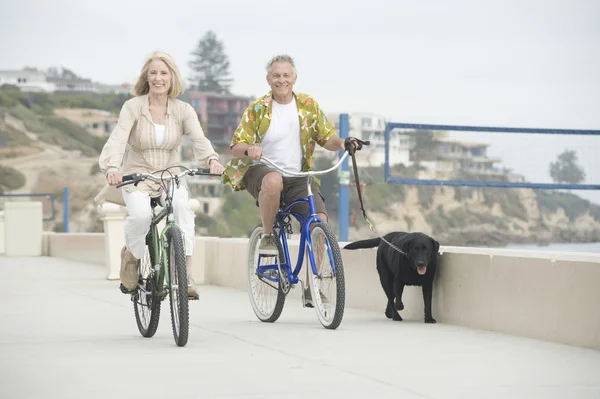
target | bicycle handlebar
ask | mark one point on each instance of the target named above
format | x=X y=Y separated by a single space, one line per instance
x=313 y=172
x=138 y=177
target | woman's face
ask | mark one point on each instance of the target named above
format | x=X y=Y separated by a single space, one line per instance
x=159 y=77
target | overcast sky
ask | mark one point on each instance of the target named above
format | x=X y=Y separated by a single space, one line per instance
x=467 y=62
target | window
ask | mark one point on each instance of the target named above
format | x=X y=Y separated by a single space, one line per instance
x=205 y=207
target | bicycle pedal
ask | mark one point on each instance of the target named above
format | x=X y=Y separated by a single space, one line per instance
x=124 y=290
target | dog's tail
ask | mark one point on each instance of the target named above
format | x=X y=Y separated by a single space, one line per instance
x=371 y=243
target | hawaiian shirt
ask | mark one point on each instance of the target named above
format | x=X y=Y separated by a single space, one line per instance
x=315 y=128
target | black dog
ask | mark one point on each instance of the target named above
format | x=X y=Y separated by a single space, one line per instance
x=416 y=266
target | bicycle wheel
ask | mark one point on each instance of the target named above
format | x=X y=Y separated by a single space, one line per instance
x=178 y=286
x=327 y=287
x=146 y=304
x=266 y=297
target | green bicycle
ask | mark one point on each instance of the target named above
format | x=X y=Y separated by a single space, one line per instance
x=162 y=269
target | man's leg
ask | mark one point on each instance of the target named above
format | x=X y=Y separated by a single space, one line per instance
x=265 y=185
x=268 y=199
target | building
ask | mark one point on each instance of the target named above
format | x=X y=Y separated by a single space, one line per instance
x=27 y=79
x=219 y=114
x=97 y=122
x=465 y=157
x=371 y=127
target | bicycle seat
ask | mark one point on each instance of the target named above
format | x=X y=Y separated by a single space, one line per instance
x=154 y=202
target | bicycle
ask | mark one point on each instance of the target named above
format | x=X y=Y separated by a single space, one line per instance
x=162 y=269
x=276 y=276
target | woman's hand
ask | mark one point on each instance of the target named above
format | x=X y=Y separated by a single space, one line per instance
x=215 y=167
x=114 y=178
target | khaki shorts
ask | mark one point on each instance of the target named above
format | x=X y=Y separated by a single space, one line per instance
x=293 y=188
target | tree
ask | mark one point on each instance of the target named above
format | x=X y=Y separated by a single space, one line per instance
x=566 y=169
x=210 y=65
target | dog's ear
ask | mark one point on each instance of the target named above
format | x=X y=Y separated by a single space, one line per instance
x=436 y=245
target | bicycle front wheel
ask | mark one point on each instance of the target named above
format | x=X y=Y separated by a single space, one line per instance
x=146 y=304
x=327 y=287
x=178 y=286
x=266 y=297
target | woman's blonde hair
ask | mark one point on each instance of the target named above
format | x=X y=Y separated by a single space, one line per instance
x=177 y=84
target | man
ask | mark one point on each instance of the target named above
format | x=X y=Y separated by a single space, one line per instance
x=284 y=126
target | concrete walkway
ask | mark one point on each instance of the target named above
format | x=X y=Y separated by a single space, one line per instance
x=66 y=332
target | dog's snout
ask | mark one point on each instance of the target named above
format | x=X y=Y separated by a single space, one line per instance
x=421 y=263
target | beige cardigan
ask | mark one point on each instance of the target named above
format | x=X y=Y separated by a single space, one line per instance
x=131 y=147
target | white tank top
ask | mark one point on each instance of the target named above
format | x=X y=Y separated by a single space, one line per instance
x=281 y=143
x=160 y=134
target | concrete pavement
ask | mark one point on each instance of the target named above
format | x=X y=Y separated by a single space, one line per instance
x=66 y=332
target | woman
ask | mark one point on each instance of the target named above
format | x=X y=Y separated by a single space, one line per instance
x=147 y=139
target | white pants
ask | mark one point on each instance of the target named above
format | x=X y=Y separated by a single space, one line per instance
x=137 y=224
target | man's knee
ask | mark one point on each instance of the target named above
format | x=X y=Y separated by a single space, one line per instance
x=272 y=184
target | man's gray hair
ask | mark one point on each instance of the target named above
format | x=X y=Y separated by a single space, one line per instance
x=281 y=58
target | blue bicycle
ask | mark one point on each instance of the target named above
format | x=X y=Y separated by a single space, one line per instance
x=271 y=277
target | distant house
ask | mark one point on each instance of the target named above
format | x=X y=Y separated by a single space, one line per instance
x=97 y=122
x=27 y=79
x=368 y=126
x=56 y=80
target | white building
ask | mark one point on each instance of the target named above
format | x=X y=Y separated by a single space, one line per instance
x=368 y=126
x=27 y=80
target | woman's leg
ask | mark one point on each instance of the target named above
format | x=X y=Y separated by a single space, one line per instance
x=185 y=219
x=137 y=225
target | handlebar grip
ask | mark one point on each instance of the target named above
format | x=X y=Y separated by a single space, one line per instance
x=130 y=177
x=204 y=171
x=367 y=142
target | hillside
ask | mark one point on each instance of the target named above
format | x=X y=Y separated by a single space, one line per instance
x=51 y=153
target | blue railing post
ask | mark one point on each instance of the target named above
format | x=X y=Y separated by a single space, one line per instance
x=66 y=209
x=344 y=181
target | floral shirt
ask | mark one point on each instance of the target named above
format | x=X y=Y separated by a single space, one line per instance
x=315 y=128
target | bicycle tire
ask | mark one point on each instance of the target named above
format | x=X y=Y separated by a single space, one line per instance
x=147 y=324
x=271 y=313
x=330 y=319
x=178 y=286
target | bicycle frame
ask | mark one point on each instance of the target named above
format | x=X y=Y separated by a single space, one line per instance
x=305 y=238
x=161 y=268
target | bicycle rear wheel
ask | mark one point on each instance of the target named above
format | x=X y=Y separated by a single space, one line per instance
x=146 y=304
x=266 y=297
x=327 y=287
x=178 y=286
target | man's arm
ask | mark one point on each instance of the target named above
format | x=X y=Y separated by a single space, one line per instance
x=334 y=143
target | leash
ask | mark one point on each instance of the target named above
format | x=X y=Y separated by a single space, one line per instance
x=362 y=208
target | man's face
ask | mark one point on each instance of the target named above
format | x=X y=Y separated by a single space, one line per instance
x=281 y=79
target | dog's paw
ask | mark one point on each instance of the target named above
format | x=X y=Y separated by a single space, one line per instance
x=388 y=313
x=399 y=305
x=397 y=317
x=430 y=320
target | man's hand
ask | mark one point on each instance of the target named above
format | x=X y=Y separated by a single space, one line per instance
x=255 y=152
x=114 y=178
x=215 y=167
x=351 y=145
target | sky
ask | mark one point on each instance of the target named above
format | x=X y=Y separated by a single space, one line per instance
x=464 y=62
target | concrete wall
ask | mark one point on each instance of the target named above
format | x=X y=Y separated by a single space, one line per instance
x=548 y=296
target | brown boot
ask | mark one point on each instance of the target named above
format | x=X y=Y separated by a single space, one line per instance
x=128 y=274
x=192 y=292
